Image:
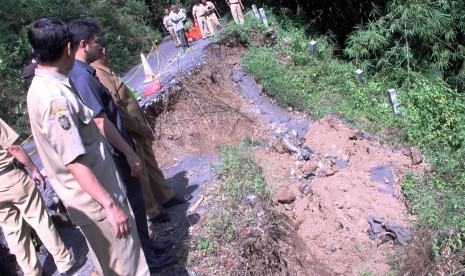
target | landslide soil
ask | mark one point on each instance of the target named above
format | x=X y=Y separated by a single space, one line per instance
x=322 y=232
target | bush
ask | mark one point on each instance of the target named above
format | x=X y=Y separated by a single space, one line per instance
x=123 y=26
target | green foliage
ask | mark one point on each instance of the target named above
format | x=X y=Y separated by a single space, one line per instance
x=123 y=25
x=417 y=36
x=240 y=174
x=435 y=114
x=241 y=177
x=205 y=245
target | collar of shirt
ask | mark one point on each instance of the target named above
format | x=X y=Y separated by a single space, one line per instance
x=82 y=66
x=102 y=67
x=53 y=75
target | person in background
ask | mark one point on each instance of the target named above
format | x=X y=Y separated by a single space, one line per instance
x=21 y=204
x=236 y=7
x=77 y=162
x=170 y=27
x=198 y=11
x=179 y=26
x=213 y=23
x=28 y=70
x=155 y=190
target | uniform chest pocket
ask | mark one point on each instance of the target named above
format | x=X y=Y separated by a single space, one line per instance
x=87 y=128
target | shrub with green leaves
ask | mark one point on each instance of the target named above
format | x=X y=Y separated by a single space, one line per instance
x=124 y=28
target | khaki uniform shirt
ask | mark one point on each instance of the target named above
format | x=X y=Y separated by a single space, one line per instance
x=167 y=22
x=63 y=129
x=127 y=104
x=199 y=11
x=7 y=137
x=210 y=6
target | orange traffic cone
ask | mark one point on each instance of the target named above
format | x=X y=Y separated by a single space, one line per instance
x=155 y=84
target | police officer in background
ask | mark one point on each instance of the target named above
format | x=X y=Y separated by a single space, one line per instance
x=210 y=15
x=198 y=11
x=236 y=7
x=21 y=202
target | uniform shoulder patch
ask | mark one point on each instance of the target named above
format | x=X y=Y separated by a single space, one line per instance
x=57 y=109
x=64 y=122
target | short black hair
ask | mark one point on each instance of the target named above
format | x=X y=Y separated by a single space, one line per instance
x=48 y=37
x=101 y=42
x=83 y=29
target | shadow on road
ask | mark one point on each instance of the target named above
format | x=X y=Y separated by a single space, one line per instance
x=177 y=230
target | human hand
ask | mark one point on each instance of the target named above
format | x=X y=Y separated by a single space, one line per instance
x=119 y=221
x=135 y=163
x=38 y=178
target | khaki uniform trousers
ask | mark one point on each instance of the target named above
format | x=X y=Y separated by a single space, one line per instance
x=173 y=35
x=114 y=256
x=21 y=202
x=237 y=13
x=202 y=21
x=213 y=23
x=155 y=190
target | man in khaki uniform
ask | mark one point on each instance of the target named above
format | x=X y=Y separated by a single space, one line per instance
x=78 y=164
x=236 y=10
x=21 y=202
x=198 y=11
x=156 y=191
x=170 y=27
x=210 y=15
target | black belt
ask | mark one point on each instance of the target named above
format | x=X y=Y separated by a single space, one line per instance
x=6 y=170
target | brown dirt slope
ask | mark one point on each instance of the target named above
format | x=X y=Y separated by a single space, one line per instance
x=321 y=232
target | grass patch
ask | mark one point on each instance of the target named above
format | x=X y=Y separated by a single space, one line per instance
x=242 y=209
x=242 y=184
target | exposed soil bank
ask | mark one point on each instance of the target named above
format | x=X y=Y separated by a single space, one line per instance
x=323 y=198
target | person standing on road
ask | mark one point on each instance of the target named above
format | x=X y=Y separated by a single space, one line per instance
x=198 y=11
x=170 y=27
x=156 y=191
x=178 y=26
x=28 y=70
x=110 y=123
x=79 y=166
x=236 y=7
x=210 y=15
x=21 y=204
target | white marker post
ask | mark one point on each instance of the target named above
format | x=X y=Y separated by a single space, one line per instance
x=359 y=75
x=255 y=11
x=312 y=47
x=394 y=103
x=262 y=13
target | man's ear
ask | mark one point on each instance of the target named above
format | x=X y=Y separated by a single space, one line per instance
x=104 y=51
x=69 y=49
x=82 y=44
